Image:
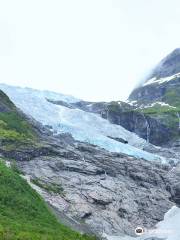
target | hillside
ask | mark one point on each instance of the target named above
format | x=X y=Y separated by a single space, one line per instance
x=23 y=213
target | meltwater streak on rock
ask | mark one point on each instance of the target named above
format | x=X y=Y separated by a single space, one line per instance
x=83 y=126
x=178 y=116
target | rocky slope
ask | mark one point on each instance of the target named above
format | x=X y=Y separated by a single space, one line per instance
x=23 y=213
x=90 y=188
x=109 y=192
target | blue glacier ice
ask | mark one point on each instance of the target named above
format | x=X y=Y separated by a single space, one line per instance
x=82 y=125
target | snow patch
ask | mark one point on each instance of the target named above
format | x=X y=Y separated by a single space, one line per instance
x=161 y=80
x=163 y=104
x=132 y=103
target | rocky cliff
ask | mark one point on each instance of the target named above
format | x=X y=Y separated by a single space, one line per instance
x=159 y=96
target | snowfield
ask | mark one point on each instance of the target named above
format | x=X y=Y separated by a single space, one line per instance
x=156 y=104
x=82 y=125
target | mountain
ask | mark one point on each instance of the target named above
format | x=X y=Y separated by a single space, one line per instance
x=23 y=213
x=88 y=188
x=163 y=84
x=152 y=110
x=159 y=96
x=169 y=66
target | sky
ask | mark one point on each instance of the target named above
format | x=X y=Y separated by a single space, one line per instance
x=96 y=50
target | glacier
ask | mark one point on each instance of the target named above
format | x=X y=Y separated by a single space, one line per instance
x=83 y=126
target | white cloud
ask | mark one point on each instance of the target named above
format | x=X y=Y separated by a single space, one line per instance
x=96 y=50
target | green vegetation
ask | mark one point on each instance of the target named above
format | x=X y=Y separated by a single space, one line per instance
x=50 y=187
x=165 y=114
x=24 y=215
x=172 y=96
x=13 y=128
x=159 y=109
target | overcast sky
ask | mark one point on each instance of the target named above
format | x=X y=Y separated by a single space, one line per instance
x=92 y=49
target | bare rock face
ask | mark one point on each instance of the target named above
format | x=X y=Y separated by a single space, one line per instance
x=169 y=66
x=162 y=86
x=105 y=192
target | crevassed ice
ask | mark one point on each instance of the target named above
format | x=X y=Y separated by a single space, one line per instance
x=83 y=126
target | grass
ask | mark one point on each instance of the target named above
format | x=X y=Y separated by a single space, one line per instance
x=13 y=127
x=166 y=115
x=24 y=215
